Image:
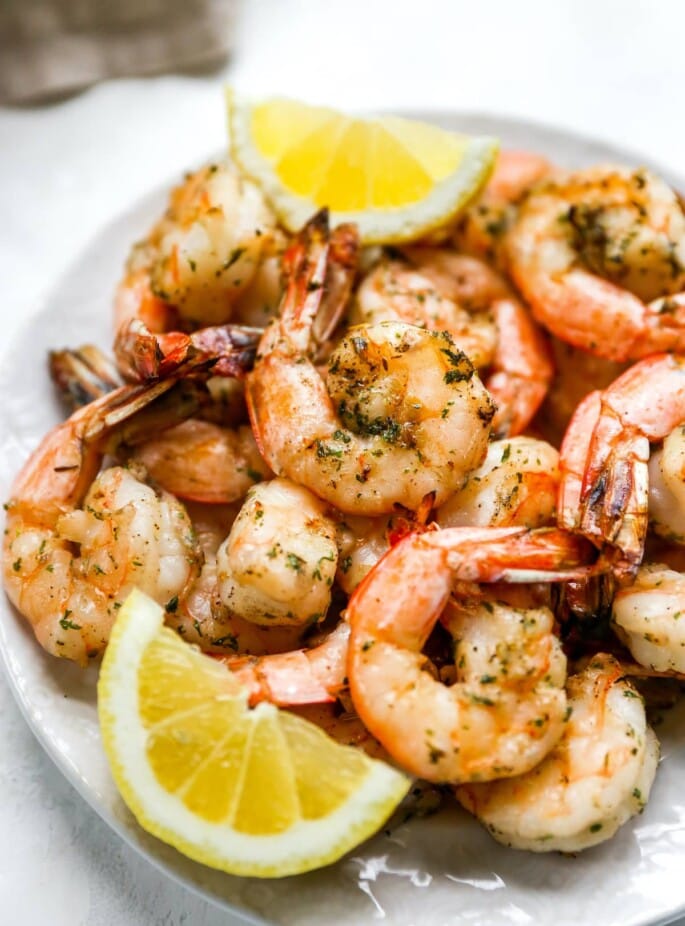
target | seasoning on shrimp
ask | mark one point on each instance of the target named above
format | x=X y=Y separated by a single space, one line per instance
x=594 y=254
x=401 y=414
x=597 y=777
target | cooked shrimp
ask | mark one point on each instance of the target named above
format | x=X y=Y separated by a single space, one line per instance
x=649 y=617
x=201 y=256
x=508 y=707
x=396 y=291
x=667 y=487
x=362 y=542
x=482 y=227
x=203 y=461
x=604 y=489
x=597 y=776
x=310 y=675
x=576 y=374
x=200 y=616
x=278 y=563
x=444 y=291
x=402 y=413
x=600 y=257
x=516 y=485
x=76 y=543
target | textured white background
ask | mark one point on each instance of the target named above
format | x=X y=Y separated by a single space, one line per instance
x=610 y=68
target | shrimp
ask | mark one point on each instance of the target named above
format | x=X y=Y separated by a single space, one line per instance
x=667 y=487
x=396 y=291
x=441 y=290
x=196 y=459
x=516 y=484
x=647 y=618
x=201 y=256
x=76 y=543
x=604 y=490
x=577 y=373
x=204 y=462
x=597 y=776
x=401 y=414
x=278 y=563
x=599 y=255
x=482 y=227
x=508 y=707
x=309 y=675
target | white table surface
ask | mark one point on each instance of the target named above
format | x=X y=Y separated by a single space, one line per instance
x=611 y=68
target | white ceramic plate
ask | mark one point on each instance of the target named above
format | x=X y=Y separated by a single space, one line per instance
x=432 y=872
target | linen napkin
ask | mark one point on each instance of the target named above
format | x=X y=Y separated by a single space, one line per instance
x=49 y=47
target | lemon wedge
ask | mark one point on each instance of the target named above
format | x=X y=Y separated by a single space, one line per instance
x=396 y=178
x=257 y=792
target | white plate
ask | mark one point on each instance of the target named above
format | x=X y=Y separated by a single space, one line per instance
x=432 y=872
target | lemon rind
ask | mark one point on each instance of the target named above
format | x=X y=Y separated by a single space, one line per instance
x=304 y=846
x=387 y=226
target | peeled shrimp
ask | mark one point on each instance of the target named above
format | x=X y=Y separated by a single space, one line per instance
x=599 y=255
x=482 y=227
x=76 y=543
x=508 y=707
x=401 y=414
x=441 y=290
x=202 y=461
x=278 y=563
x=649 y=617
x=516 y=484
x=201 y=256
x=597 y=776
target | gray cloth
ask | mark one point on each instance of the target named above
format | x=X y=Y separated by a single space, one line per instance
x=49 y=47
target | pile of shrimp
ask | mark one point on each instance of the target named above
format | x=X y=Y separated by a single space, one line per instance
x=429 y=496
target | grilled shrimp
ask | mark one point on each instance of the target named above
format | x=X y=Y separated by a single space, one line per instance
x=76 y=543
x=649 y=617
x=507 y=708
x=278 y=563
x=599 y=255
x=516 y=485
x=402 y=412
x=597 y=776
x=482 y=227
x=441 y=290
x=201 y=256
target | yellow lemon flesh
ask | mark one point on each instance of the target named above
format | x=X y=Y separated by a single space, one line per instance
x=257 y=792
x=396 y=178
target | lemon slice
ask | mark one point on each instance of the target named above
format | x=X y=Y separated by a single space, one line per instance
x=396 y=178
x=257 y=792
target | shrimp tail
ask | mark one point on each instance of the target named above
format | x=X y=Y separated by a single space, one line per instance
x=515 y=554
x=614 y=502
x=82 y=375
x=228 y=350
x=304 y=676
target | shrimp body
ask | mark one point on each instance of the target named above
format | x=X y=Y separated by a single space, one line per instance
x=595 y=253
x=278 y=563
x=507 y=708
x=648 y=616
x=597 y=776
x=201 y=256
x=667 y=487
x=396 y=291
x=482 y=227
x=516 y=484
x=441 y=290
x=77 y=542
x=401 y=414
x=204 y=462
